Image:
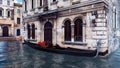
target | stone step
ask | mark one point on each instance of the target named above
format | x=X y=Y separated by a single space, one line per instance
x=10 y=38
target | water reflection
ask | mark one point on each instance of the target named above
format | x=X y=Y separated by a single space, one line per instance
x=16 y=55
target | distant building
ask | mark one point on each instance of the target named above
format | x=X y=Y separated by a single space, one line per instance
x=10 y=19
x=71 y=23
x=6 y=18
x=18 y=19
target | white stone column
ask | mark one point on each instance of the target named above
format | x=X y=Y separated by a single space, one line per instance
x=0 y=30
x=4 y=13
x=63 y=28
x=38 y=31
x=9 y=31
x=72 y=32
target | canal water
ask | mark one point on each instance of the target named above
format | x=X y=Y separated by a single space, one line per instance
x=16 y=55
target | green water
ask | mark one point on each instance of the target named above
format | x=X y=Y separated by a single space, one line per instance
x=16 y=55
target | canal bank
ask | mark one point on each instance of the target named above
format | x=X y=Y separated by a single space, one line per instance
x=16 y=55
x=18 y=38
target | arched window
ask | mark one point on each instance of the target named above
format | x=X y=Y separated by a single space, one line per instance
x=28 y=31
x=40 y=2
x=78 y=30
x=8 y=14
x=1 y=12
x=32 y=4
x=33 y=31
x=25 y=5
x=67 y=30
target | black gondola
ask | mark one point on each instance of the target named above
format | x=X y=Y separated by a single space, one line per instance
x=67 y=51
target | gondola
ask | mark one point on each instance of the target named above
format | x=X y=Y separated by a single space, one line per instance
x=59 y=50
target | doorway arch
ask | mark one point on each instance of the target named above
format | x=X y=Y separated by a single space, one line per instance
x=5 y=31
x=28 y=31
x=48 y=32
x=33 y=31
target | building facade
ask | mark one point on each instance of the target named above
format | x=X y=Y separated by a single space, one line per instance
x=71 y=23
x=6 y=18
x=18 y=19
x=10 y=19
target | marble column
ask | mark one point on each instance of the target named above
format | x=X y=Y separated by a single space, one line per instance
x=72 y=32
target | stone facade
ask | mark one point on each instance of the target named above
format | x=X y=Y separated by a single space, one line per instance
x=70 y=23
x=6 y=18
x=18 y=19
x=10 y=19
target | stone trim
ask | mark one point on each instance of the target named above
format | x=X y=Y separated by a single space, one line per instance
x=71 y=7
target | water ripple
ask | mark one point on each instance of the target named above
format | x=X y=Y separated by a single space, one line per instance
x=16 y=55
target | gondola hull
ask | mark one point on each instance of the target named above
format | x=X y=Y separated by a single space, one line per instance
x=67 y=51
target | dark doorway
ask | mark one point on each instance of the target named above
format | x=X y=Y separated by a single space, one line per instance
x=33 y=31
x=48 y=33
x=28 y=31
x=78 y=30
x=18 y=32
x=5 y=31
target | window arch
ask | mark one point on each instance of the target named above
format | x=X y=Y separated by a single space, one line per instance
x=33 y=31
x=48 y=25
x=40 y=1
x=32 y=4
x=25 y=5
x=1 y=11
x=67 y=30
x=78 y=30
x=28 y=31
x=48 y=32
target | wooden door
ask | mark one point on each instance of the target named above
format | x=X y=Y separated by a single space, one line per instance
x=48 y=33
x=5 y=31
